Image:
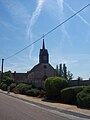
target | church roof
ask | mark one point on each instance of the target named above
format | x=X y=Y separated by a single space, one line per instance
x=39 y=66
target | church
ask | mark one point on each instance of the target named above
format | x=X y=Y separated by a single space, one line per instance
x=38 y=74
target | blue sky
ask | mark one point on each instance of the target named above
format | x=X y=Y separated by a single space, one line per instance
x=24 y=21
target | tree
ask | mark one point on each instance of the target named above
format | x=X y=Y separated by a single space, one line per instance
x=57 y=70
x=64 y=71
x=7 y=78
x=61 y=71
x=79 y=78
x=69 y=75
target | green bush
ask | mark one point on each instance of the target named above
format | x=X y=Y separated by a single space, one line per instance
x=4 y=87
x=83 y=98
x=68 y=95
x=7 y=78
x=33 y=92
x=1 y=85
x=12 y=86
x=53 y=85
x=22 y=88
x=87 y=89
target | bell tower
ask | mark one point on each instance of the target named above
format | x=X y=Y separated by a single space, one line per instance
x=43 y=55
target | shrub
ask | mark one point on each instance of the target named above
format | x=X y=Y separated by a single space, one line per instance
x=4 y=87
x=22 y=88
x=53 y=85
x=12 y=86
x=1 y=85
x=15 y=90
x=83 y=98
x=68 y=95
x=33 y=92
x=42 y=93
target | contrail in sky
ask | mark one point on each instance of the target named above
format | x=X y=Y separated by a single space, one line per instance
x=87 y=23
x=65 y=33
x=60 y=4
x=77 y=14
x=33 y=19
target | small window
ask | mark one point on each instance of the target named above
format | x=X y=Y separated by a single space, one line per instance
x=45 y=66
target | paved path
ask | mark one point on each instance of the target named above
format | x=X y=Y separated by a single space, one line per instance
x=58 y=108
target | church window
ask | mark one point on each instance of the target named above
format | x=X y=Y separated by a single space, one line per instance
x=45 y=66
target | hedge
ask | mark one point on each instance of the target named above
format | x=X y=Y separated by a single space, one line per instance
x=22 y=88
x=12 y=86
x=4 y=87
x=53 y=85
x=83 y=98
x=68 y=95
x=33 y=92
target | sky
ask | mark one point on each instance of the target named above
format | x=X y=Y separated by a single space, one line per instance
x=24 y=21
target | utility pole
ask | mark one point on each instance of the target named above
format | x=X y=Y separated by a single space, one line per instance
x=2 y=69
x=2 y=66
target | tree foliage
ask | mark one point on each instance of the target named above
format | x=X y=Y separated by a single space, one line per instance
x=69 y=75
x=7 y=78
x=53 y=85
x=61 y=71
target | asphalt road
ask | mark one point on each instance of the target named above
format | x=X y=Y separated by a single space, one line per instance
x=15 y=109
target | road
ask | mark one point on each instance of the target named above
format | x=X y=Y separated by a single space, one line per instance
x=15 y=109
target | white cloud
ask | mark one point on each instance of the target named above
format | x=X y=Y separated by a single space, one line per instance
x=65 y=35
x=32 y=21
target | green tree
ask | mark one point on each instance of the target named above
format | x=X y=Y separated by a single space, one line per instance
x=64 y=71
x=7 y=78
x=57 y=70
x=69 y=75
x=60 y=70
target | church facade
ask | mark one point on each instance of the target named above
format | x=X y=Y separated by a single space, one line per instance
x=42 y=70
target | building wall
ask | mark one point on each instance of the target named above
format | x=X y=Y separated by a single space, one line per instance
x=79 y=83
x=38 y=74
x=20 y=77
x=36 y=77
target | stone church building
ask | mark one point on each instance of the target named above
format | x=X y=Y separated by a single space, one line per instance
x=41 y=71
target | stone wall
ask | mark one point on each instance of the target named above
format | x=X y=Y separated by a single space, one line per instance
x=79 y=83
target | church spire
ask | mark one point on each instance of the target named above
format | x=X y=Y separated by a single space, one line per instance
x=43 y=47
x=43 y=55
